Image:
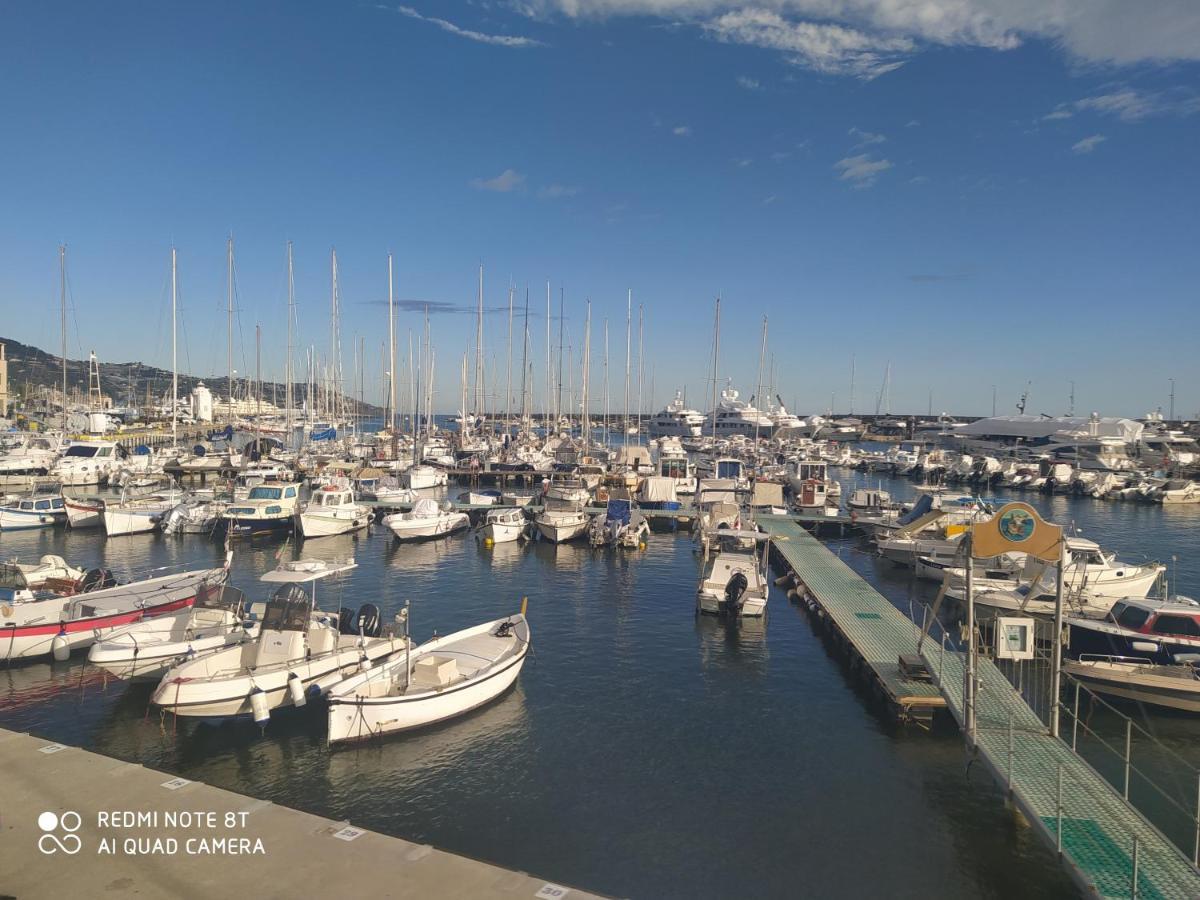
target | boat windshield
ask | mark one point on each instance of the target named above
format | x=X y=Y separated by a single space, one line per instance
x=265 y=493
x=287 y=610
x=82 y=450
x=1130 y=617
x=12 y=578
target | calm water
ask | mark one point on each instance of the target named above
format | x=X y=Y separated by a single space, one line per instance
x=643 y=753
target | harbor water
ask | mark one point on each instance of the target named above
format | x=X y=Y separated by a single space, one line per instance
x=644 y=752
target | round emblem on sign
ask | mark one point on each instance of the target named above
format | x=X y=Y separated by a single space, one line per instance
x=1016 y=525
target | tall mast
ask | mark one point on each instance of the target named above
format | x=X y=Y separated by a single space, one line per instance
x=546 y=410
x=562 y=301
x=334 y=381
x=851 y=384
x=229 y=321
x=391 y=361
x=258 y=380
x=586 y=424
x=174 y=354
x=641 y=366
x=524 y=362
x=762 y=353
x=716 y=375
x=479 y=349
x=508 y=409
x=287 y=366
x=628 y=357
x=606 y=381
x=62 y=291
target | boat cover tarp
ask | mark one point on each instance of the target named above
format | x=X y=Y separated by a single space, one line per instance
x=658 y=490
x=923 y=505
x=426 y=507
x=767 y=493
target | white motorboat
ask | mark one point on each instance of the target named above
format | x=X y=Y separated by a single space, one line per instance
x=425 y=521
x=60 y=623
x=270 y=508
x=1178 y=490
x=43 y=509
x=620 y=525
x=332 y=510
x=87 y=463
x=32 y=455
x=503 y=525
x=194 y=516
x=1175 y=686
x=144 y=650
x=439 y=680
x=565 y=490
x=733 y=416
x=734 y=581
x=676 y=420
x=300 y=651
x=561 y=525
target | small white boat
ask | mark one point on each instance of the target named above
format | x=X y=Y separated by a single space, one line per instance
x=1135 y=678
x=138 y=515
x=84 y=512
x=734 y=581
x=439 y=680
x=332 y=510
x=44 y=509
x=300 y=651
x=503 y=525
x=426 y=521
x=195 y=516
x=561 y=525
x=148 y=648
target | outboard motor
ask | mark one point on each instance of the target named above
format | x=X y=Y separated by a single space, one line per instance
x=735 y=590
x=346 y=621
x=367 y=622
x=96 y=580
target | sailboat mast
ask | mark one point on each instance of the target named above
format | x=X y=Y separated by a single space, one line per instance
x=562 y=301
x=508 y=409
x=606 y=426
x=762 y=353
x=628 y=348
x=287 y=366
x=546 y=405
x=479 y=349
x=391 y=361
x=524 y=362
x=62 y=291
x=586 y=424
x=229 y=321
x=641 y=366
x=716 y=375
x=258 y=379
x=174 y=353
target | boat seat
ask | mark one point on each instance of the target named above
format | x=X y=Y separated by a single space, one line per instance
x=435 y=671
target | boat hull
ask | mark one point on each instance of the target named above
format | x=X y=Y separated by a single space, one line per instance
x=313 y=525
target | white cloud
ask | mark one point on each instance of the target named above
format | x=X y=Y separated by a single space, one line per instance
x=780 y=156
x=499 y=40
x=861 y=171
x=822 y=47
x=1098 y=31
x=1059 y=112
x=556 y=191
x=866 y=138
x=767 y=201
x=682 y=130
x=1127 y=104
x=743 y=163
x=750 y=84
x=912 y=123
x=507 y=181
x=1088 y=144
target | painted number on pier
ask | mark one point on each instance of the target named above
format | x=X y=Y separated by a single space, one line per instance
x=52 y=748
x=348 y=833
x=175 y=784
x=552 y=892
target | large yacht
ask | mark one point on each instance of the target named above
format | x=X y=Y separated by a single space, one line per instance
x=733 y=416
x=1094 y=442
x=676 y=420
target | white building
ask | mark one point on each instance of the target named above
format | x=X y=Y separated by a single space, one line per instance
x=202 y=403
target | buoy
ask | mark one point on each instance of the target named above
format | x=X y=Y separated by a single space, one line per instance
x=258 y=705
x=61 y=647
x=488 y=542
x=782 y=580
x=296 y=689
x=642 y=545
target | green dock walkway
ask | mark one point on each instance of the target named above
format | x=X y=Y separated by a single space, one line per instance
x=1098 y=825
x=875 y=631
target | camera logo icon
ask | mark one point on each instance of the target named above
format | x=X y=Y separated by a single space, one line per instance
x=50 y=842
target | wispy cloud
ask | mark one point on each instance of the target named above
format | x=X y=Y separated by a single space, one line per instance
x=1131 y=105
x=823 y=47
x=743 y=162
x=750 y=84
x=507 y=181
x=861 y=171
x=498 y=40
x=912 y=123
x=767 y=201
x=866 y=138
x=556 y=191
x=780 y=155
x=682 y=131
x=1088 y=144
x=918 y=179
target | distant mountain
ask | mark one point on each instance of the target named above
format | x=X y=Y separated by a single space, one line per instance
x=126 y=383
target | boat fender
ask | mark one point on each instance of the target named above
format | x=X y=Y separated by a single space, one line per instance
x=1145 y=646
x=258 y=706
x=6 y=610
x=296 y=689
x=60 y=647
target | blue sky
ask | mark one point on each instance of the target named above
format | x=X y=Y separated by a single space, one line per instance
x=994 y=194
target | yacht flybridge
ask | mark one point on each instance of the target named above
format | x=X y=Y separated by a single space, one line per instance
x=733 y=416
x=300 y=650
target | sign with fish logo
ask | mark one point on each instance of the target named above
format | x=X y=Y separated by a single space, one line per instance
x=1017 y=527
